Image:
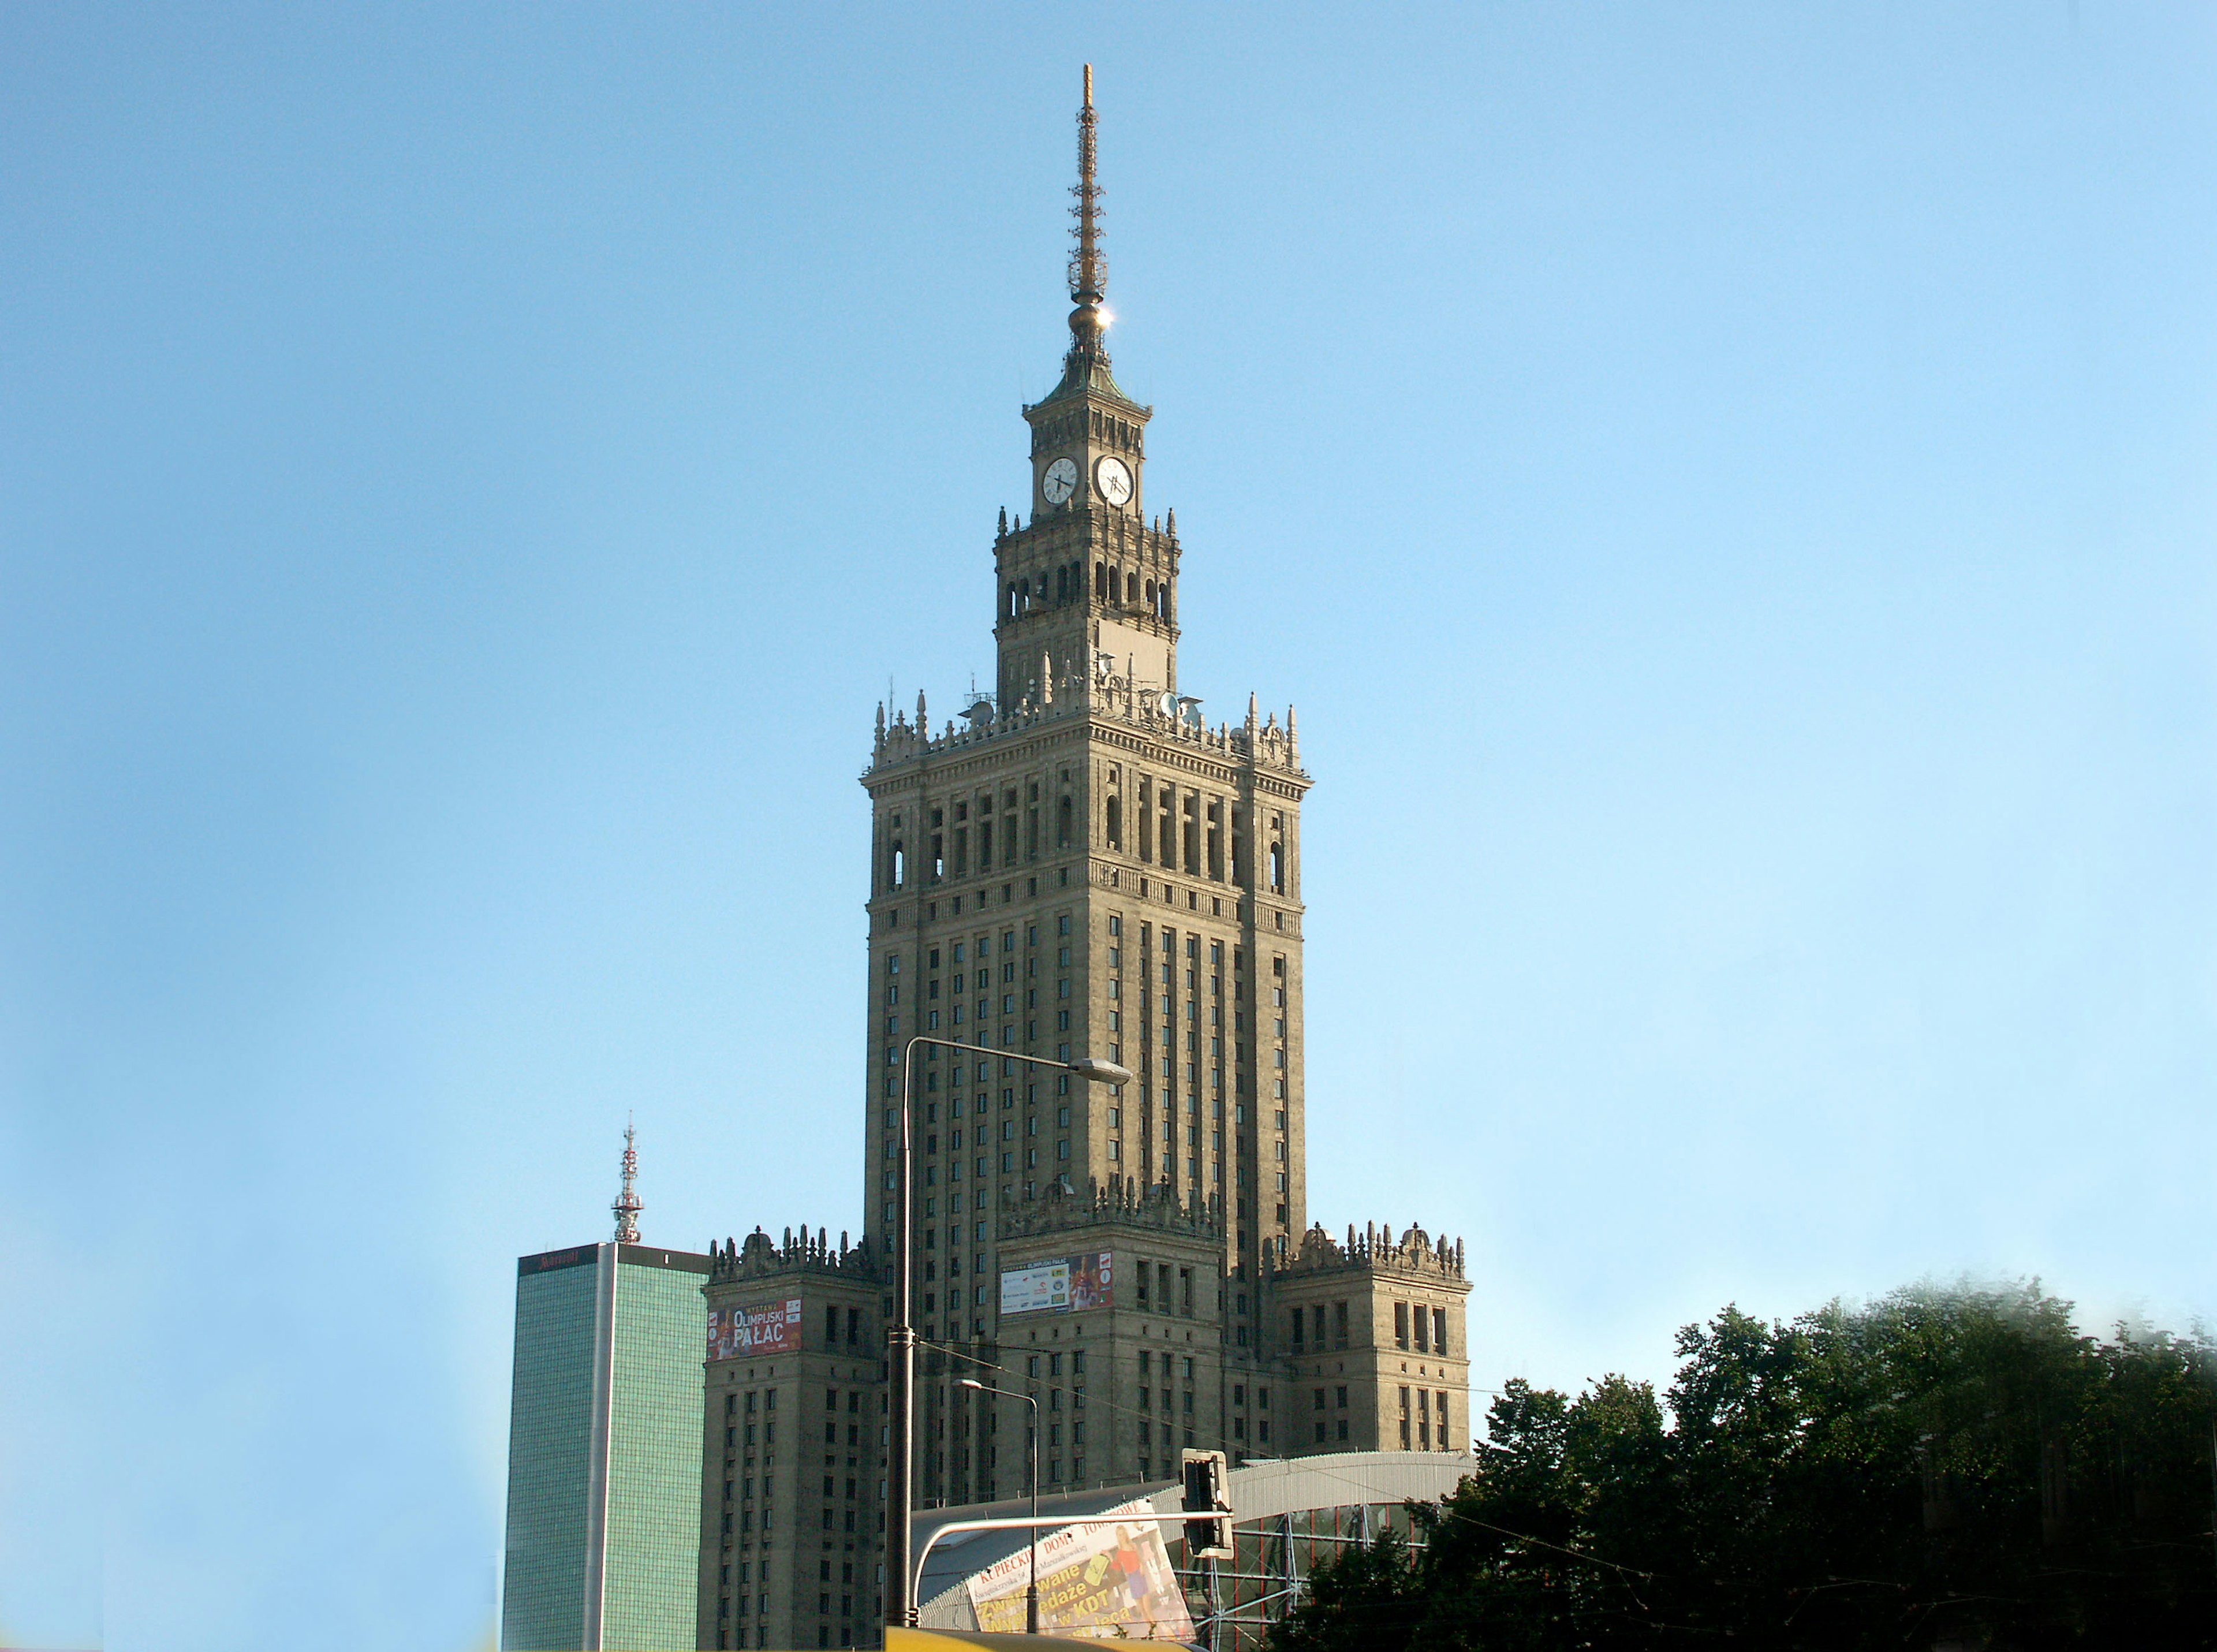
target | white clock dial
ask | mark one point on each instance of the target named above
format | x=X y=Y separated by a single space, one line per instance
x=1061 y=480
x=1113 y=479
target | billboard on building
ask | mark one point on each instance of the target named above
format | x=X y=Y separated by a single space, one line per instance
x=1111 y=1581
x=755 y=1328
x=1069 y=1285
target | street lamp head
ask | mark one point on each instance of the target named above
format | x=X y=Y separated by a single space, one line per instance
x=970 y=1382
x=1100 y=1072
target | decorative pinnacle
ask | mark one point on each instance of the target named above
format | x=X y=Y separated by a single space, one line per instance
x=628 y=1207
x=1088 y=264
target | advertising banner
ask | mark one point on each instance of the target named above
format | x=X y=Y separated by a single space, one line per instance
x=757 y=1328
x=1109 y=1582
x=1068 y=1286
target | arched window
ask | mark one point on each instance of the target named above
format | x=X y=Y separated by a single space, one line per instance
x=1132 y=589
x=900 y=864
x=1062 y=585
x=1100 y=580
x=1151 y=593
x=1277 y=870
x=1011 y=603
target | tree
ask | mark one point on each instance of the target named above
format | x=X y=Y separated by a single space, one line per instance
x=1937 y=1467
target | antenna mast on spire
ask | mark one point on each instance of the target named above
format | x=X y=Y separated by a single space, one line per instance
x=628 y=1207
x=1088 y=264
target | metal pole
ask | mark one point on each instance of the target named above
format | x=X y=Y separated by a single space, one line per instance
x=900 y=1613
x=1031 y=1589
x=1031 y=1454
x=901 y=1607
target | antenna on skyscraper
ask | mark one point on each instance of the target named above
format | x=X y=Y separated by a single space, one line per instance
x=628 y=1207
x=1088 y=264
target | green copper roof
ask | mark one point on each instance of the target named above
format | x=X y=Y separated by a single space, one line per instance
x=1086 y=372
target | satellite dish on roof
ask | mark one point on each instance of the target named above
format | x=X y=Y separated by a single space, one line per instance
x=1167 y=703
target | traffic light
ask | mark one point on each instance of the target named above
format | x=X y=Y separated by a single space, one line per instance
x=1205 y=1493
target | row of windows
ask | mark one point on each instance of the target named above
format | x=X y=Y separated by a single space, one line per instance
x=1127 y=587
x=1185 y=831
x=1025 y=594
x=946 y=847
x=1431 y=1328
x=1167 y=1300
x=1301 y=1320
x=891 y=915
x=1424 y=1413
x=984 y=950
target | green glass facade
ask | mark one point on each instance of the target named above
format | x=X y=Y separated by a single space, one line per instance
x=653 y=1547
x=604 y=1452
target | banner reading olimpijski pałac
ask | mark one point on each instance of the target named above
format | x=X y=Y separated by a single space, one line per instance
x=1102 y=1580
x=759 y=1328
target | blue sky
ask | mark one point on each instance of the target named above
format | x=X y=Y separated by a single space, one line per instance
x=1729 y=489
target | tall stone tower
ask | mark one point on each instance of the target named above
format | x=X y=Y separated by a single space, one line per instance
x=1085 y=864
x=1081 y=865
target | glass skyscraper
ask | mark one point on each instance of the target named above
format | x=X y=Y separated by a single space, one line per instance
x=604 y=1450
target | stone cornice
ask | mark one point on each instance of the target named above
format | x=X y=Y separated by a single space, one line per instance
x=762 y=1257
x=1416 y=1256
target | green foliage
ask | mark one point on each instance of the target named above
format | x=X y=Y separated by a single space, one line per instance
x=1954 y=1467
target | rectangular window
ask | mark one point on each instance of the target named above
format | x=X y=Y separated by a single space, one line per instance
x=1401 y=1328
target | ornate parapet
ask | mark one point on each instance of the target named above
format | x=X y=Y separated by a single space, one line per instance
x=1415 y=1255
x=1121 y=1203
x=761 y=1257
x=1262 y=741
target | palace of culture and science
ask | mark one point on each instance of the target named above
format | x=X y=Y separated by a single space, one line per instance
x=1078 y=865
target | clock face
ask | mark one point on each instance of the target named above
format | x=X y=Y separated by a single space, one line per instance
x=1114 y=480
x=1061 y=480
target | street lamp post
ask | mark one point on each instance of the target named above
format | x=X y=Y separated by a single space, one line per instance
x=900 y=1336
x=1031 y=1589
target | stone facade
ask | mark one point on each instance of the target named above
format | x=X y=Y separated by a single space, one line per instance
x=1082 y=865
x=792 y=1455
x=1371 y=1334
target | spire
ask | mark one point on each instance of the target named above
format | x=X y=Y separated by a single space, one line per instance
x=628 y=1207
x=1088 y=265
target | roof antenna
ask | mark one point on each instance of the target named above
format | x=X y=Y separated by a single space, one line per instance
x=628 y=1207
x=1088 y=265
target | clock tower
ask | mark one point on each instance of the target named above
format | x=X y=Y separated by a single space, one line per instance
x=1088 y=867
x=1088 y=588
